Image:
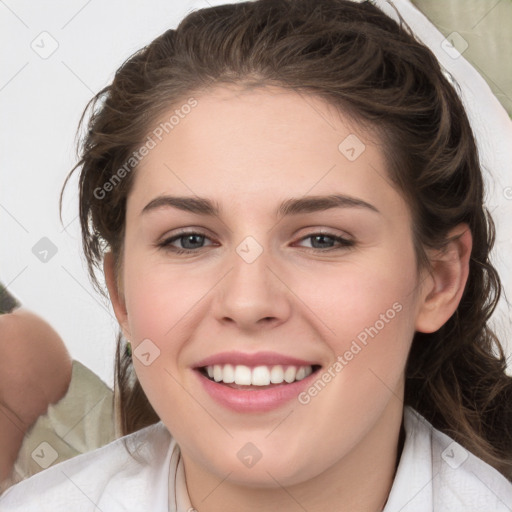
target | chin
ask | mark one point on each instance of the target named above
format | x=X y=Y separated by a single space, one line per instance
x=269 y=472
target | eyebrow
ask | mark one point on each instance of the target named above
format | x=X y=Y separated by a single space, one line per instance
x=292 y=206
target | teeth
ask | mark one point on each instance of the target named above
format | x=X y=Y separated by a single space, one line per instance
x=228 y=374
x=301 y=373
x=276 y=375
x=242 y=375
x=260 y=376
x=257 y=376
x=289 y=374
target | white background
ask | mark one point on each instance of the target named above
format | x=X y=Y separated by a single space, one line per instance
x=41 y=101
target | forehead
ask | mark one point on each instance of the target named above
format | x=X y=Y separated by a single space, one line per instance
x=251 y=145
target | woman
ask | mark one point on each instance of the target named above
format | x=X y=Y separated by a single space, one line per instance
x=325 y=344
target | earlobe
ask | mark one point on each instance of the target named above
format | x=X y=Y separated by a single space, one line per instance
x=115 y=293
x=446 y=282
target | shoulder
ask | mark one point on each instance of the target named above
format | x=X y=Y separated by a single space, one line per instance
x=436 y=473
x=132 y=469
x=465 y=479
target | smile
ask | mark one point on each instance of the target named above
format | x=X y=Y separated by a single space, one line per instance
x=254 y=383
x=242 y=375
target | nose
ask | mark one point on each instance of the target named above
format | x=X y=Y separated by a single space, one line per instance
x=253 y=295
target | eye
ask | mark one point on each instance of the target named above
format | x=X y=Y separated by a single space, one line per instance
x=190 y=240
x=320 y=240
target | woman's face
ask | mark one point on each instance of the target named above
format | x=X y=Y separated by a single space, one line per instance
x=267 y=283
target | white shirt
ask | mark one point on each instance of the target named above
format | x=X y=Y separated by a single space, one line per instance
x=434 y=474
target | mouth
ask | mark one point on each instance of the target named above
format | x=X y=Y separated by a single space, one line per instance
x=254 y=382
x=256 y=378
x=254 y=387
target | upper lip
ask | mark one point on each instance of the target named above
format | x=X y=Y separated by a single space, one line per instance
x=254 y=359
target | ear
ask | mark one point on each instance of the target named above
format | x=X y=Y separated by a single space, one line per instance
x=116 y=295
x=444 y=286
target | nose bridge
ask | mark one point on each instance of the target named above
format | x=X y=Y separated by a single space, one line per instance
x=251 y=291
x=251 y=265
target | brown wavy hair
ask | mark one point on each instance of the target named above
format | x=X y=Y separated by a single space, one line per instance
x=374 y=70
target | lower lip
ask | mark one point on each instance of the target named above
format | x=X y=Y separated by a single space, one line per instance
x=253 y=400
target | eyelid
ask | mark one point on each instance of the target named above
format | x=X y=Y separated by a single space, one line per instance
x=310 y=231
x=183 y=232
x=335 y=233
x=166 y=240
x=345 y=240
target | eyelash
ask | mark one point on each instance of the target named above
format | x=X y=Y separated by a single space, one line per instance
x=166 y=244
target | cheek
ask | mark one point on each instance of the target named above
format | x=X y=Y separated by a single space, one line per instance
x=367 y=310
x=343 y=300
x=357 y=299
x=157 y=301
x=371 y=316
x=159 y=297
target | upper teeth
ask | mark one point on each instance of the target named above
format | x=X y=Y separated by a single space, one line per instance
x=257 y=376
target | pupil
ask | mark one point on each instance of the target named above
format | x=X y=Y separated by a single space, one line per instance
x=189 y=237
x=321 y=237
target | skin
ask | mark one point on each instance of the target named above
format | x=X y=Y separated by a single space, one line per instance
x=249 y=151
x=35 y=371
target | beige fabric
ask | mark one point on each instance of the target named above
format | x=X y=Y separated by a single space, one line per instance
x=486 y=29
x=81 y=421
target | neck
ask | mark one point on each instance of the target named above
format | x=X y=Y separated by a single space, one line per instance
x=360 y=481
